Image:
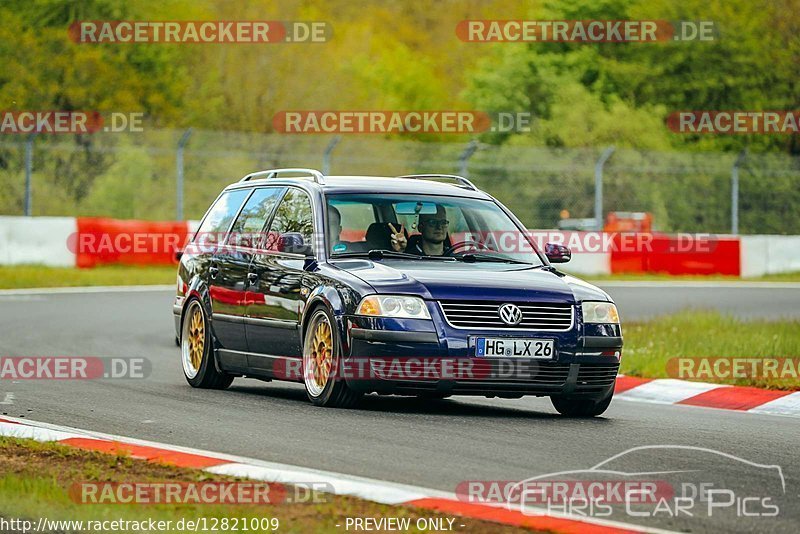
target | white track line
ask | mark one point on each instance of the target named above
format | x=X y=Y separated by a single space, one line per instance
x=374 y=490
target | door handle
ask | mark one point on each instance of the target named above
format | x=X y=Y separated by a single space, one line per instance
x=213 y=271
x=252 y=277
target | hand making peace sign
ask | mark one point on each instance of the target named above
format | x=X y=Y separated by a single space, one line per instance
x=398 y=238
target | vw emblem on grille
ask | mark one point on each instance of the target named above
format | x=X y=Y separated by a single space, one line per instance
x=510 y=314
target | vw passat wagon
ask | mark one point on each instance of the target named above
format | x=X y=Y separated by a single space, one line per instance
x=414 y=285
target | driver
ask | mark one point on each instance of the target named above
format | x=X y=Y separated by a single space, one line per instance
x=432 y=240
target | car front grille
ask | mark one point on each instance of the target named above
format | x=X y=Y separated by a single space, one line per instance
x=553 y=317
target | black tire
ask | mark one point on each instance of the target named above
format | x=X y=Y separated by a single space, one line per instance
x=206 y=376
x=575 y=407
x=335 y=393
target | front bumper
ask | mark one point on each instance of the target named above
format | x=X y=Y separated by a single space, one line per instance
x=524 y=377
x=585 y=365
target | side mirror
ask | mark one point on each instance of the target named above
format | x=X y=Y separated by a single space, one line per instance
x=292 y=242
x=557 y=253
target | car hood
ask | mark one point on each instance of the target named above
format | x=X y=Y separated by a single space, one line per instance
x=470 y=281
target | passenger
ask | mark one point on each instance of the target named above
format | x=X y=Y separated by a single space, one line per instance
x=433 y=238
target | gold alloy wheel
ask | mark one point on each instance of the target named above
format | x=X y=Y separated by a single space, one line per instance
x=197 y=337
x=318 y=357
x=193 y=340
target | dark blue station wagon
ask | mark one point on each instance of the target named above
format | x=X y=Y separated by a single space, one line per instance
x=414 y=285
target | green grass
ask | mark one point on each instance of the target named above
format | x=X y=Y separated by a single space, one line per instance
x=650 y=345
x=32 y=276
x=782 y=277
x=35 y=479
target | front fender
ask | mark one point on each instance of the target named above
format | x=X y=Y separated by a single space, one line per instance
x=328 y=296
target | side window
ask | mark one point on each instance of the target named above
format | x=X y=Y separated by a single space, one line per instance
x=219 y=217
x=294 y=214
x=355 y=218
x=254 y=215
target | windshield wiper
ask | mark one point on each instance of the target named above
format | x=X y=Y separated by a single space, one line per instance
x=379 y=254
x=475 y=257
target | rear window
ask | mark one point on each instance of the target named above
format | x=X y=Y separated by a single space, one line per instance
x=246 y=231
x=219 y=218
x=294 y=214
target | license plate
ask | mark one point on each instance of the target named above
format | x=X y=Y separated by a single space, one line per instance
x=515 y=348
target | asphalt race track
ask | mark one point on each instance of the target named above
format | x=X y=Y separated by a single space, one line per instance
x=433 y=444
x=745 y=300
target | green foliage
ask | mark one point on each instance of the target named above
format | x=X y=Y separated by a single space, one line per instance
x=406 y=56
x=631 y=87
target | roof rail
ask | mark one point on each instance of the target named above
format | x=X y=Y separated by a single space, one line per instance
x=275 y=173
x=460 y=179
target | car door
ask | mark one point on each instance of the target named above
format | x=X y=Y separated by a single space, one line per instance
x=210 y=236
x=231 y=262
x=275 y=299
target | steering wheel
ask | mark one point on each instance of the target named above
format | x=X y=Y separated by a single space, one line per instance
x=464 y=244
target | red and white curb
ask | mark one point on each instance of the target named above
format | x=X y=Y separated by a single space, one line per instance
x=684 y=392
x=364 y=488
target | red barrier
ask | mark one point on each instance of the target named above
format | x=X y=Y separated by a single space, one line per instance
x=107 y=241
x=681 y=254
x=100 y=241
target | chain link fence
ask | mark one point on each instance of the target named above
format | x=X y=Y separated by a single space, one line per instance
x=134 y=175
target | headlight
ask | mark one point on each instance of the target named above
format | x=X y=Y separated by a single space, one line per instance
x=393 y=306
x=600 y=312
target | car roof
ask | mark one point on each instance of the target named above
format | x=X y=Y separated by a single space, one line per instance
x=372 y=184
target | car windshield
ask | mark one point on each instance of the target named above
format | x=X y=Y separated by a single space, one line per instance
x=425 y=227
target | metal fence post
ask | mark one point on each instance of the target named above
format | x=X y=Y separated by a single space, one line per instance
x=735 y=191
x=179 y=184
x=472 y=147
x=598 y=186
x=28 y=171
x=326 y=156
